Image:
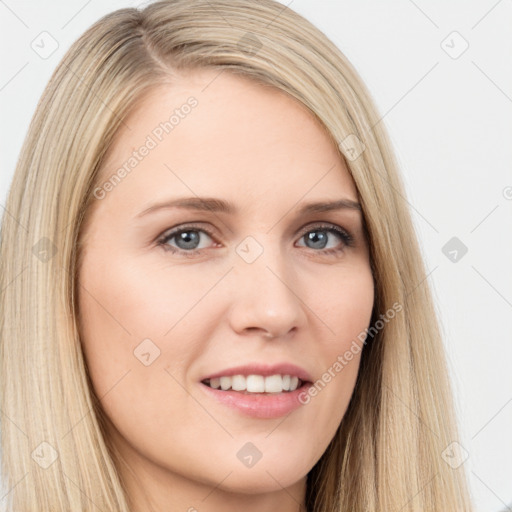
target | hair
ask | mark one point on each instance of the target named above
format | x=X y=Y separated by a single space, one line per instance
x=387 y=453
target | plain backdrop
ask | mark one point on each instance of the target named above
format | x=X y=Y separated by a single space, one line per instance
x=441 y=76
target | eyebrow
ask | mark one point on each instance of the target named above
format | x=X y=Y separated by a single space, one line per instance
x=219 y=205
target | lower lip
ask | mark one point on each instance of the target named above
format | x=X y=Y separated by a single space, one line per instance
x=259 y=405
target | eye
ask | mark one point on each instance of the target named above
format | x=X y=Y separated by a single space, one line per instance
x=187 y=239
x=318 y=238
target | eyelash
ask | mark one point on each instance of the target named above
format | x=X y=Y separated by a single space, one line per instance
x=346 y=237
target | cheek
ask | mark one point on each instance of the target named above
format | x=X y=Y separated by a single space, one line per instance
x=345 y=307
x=127 y=301
x=344 y=304
x=136 y=331
x=136 y=317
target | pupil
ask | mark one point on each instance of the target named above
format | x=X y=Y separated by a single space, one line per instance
x=315 y=237
x=189 y=238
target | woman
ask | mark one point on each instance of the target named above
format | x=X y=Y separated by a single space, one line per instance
x=292 y=360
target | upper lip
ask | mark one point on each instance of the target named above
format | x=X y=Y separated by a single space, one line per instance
x=264 y=370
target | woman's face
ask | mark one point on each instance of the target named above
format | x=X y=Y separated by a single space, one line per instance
x=264 y=285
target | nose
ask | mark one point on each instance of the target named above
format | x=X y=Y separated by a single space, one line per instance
x=266 y=297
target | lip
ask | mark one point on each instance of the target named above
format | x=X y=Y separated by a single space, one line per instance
x=265 y=370
x=259 y=405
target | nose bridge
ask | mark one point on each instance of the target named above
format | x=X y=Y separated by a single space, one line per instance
x=264 y=295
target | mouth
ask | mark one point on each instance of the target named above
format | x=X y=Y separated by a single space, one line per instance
x=258 y=396
x=257 y=384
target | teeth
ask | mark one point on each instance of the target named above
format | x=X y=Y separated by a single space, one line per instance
x=238 y=383
x=225 y=383
x=256 y=383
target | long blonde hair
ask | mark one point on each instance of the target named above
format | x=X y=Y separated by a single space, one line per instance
x=387 y=454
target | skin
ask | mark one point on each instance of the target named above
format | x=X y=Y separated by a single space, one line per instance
x=262 y=150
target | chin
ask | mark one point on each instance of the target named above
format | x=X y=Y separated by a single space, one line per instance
x=262 y=478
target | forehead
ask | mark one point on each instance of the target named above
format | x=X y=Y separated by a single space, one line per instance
x=216 y=133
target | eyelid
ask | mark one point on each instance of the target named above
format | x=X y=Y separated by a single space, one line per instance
x=319 y=224
x=169 y=232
